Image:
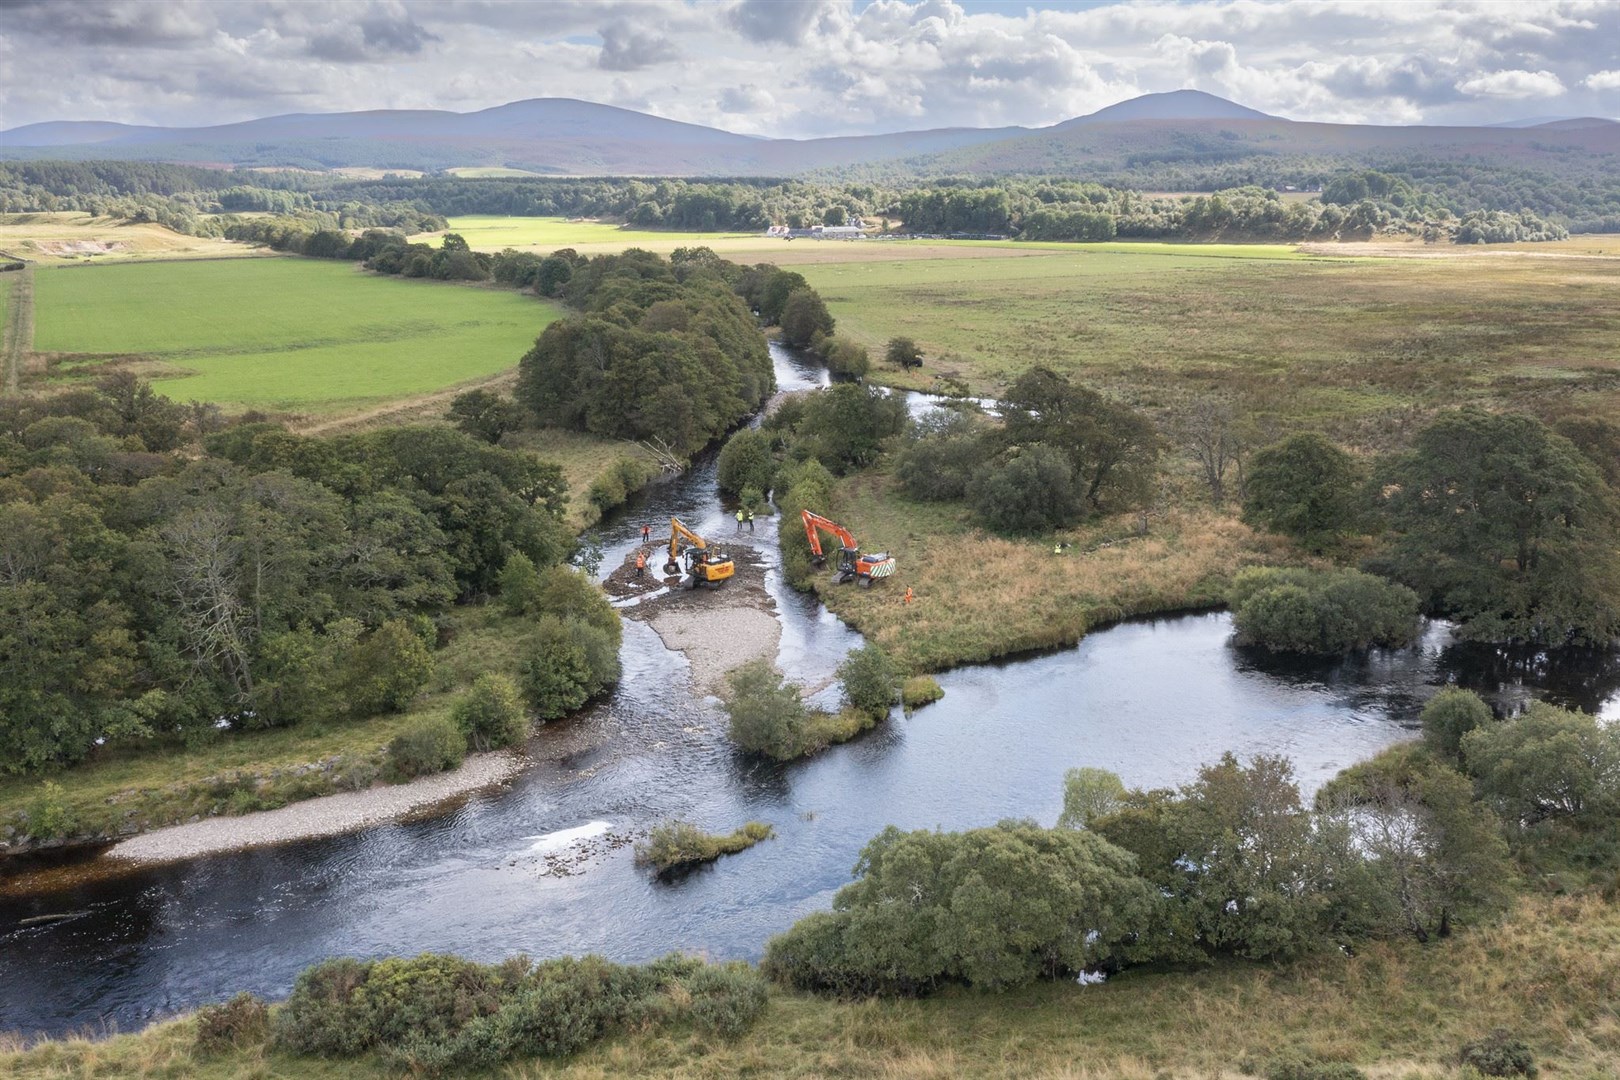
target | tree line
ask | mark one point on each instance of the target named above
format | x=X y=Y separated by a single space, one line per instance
x=167 y=576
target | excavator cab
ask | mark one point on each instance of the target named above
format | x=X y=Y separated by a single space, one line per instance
x=852 y=565
x=700 y=563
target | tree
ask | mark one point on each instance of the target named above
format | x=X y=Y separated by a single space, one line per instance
x=1447 y=717
x=387 y=669
x=1213 y=435
x=869 y=680
x=484 y=415
x=1303 y=487
x=844 y=426
x=490 y=714
x=766 y=714
x=1088 y=794
x=556 y=676
x=1321 y=612
x=804 y=318
x=1112 y=449
x=1026 y=492
x=903 y=353
x=1504 y=526
x=1547 y=763
x=746 y=461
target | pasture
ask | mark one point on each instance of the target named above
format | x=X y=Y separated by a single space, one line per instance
x=72 y=237
x=296 y=335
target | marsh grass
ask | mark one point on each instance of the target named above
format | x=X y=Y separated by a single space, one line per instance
x=677 y=845
x=1549 y=974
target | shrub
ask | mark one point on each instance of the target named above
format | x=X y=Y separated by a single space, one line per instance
x=902 y=352
x=807 y=486
x=387 y=669
x=317 y=1019
x=677 y=844
x=1303 y=487
x=844 y=426
x=1547 y=763
x=938 y=463
x=1498 y=1054
x=623 y=478
x=766 y=713
x=572 y=660
x=1030 y=491
x=726 y=1000
x=431 y=745
x=49 y=815
x=869 y=680
x=1322 y=612
x=1448 y=716
x=490 y=714
x=844 y=357
x=1089 y=794
x=746 y=462
x=236 y=1024
x=1293 y=1065
x=920 y=690
x=804 y=317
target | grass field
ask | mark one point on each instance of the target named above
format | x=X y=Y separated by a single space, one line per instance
x=71 y=237
x=286 y=334
x=1550 y=975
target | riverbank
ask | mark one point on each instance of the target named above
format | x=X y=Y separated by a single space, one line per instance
x=1549 y=974
x=330 y=815
x=977 y=596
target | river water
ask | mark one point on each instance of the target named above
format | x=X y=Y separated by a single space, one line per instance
x=541 y=866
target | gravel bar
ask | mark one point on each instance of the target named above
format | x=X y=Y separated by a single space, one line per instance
x=328 y=815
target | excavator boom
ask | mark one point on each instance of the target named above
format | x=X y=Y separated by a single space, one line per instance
x=852 y=565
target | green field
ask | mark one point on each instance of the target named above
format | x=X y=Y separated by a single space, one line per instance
x=289 y=334
x=489 y=232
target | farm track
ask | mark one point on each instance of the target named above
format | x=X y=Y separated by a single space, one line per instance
x=18 y=342
x=421 y=407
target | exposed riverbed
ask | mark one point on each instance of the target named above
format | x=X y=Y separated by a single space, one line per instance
x=543 y=865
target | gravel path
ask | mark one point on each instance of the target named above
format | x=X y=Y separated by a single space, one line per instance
x=328 y=815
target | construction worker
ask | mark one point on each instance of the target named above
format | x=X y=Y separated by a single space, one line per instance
x=1057 y=549
x=750 y=521
x=646 y=533
x=739 y=519
x=641 y=563
x=907 y=598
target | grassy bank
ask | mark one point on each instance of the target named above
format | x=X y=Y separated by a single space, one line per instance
x=1549 y=974
x=163 y=782
x=284 y=334
x=679 y=845
x=978 y=596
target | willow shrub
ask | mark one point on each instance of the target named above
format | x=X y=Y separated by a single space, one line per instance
x=1321 y=612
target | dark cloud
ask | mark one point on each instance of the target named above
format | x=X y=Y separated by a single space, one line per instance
x=379 y=34
x=624 y=48
x=107 y=23
x=784 y=21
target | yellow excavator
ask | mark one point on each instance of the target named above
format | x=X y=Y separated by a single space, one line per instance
x=700 y=564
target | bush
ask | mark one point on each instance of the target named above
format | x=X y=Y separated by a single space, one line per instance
x=746 y=462
x=677 y=844
x=1030 y=491
x=1089 y=794
x=431 y=745
x=317 y=1019
x=843 y=357
x=844 y=426
x=623 y=478
x=1322 y=612
x=766 y=713
x=938 y=462
x=1448 y=716
x=807 y=486
x=1303 y=487
x=869 y=680
x=237 y=1024
x=49 y=815
x=572 y=660
x=387 y=669
x=1498 y=1054
x=804 y=318
x=920 y=690
x=490 y=714
x=1294 y=1065
x=902 y=352
x=726 y=1000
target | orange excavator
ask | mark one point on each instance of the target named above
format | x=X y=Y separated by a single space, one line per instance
x=701 y=563
x=852 y=565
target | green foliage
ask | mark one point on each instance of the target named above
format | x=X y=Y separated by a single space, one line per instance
x=920 y=690
x=844 y=357
x=240 y=1023
x=995 y=908
x=678 y=844
x=903 y=353
x=49 y=816
x=431 y=745
x=1029 y=491
x=1447 y=717
x=484 y=414
x=557 y=677
x=766 y=714
x=746 y=461
x=844 y=426
x=1505 y=526
x=806 y=486
x=1321 y=612
x=1112 y=450
x=804 y=318
x=626 y=476
x=433 y=1014
x=939 y=456
x=1304 y=488
x=1089 y=793
x=1548 y=763
x=1498 y=1054
x=387 y=669
x=1295 y=1065
x=490 y=715
x=869 y=680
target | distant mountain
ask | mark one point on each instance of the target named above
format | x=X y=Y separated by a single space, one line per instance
x=1176 y=105
x=1180 y=138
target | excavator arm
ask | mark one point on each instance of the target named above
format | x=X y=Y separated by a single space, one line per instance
x=852 y=565
x=814 y=523
x=679 y=532
x=701 y=564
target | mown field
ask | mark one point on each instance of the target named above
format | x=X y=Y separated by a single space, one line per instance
x=73 y=237
x=296 y=335
x=1549 y=975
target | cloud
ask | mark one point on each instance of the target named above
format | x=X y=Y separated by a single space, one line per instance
x=1602 y=80
x=625 y=48
x=784 y=21
x=382 y=33
x=1513 y=85
x=99 y=23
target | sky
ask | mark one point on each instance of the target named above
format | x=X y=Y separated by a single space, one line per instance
x=804 y=68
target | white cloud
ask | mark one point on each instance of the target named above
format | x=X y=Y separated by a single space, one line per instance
x=809 y=67
x=1513 y=85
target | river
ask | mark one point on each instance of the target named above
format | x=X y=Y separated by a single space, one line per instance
x=542 y=866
